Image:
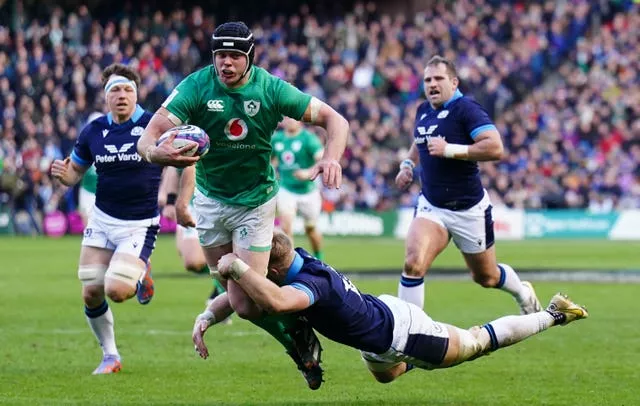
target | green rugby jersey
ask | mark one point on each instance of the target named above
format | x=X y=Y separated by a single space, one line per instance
x=293 y=153
x=240 y=122
x=90 y=180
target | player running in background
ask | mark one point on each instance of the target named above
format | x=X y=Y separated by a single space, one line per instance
x=87 y=193
x=187 y=244
x=239 y=105
x=122 y=228
x=393 y=336
x=295 y=151
x=452 y=133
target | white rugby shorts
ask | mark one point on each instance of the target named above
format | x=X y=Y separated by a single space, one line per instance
x=133 y=237
x=248 y=228
x=417 y=339
x=309 y=205
x=471 y=229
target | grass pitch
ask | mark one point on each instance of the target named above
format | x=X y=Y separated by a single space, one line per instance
x=47 y=351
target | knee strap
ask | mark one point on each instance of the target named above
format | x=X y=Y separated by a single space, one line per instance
x=124 y=271
x=91 y=275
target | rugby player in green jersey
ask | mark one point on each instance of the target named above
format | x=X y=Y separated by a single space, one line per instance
x=295 y=151
x=239 y=105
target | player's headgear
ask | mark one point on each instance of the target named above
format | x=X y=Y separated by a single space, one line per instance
x=234 y=36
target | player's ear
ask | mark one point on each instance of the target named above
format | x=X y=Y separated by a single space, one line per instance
x=455 y=81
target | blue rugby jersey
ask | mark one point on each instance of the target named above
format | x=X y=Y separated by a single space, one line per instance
x=338 y=310
x=452 y=184
x=127 y=185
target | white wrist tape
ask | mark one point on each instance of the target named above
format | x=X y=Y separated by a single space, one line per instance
x=456 y=151
x=407 y=164
x=238 y=268
x=207 y=316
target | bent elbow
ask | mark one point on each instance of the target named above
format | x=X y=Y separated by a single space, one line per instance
x=498 y=153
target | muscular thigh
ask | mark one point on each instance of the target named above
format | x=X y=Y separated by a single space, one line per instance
x=425 y=240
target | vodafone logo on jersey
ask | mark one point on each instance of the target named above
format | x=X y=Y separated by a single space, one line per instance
x=236 y=129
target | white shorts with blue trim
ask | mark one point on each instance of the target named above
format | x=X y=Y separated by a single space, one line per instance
x=133 y=237
x=417 y=339
x=471 y=229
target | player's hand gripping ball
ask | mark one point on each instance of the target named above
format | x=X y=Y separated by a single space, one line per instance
x=186 y=133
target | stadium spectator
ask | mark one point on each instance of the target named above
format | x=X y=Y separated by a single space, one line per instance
x=551 y=75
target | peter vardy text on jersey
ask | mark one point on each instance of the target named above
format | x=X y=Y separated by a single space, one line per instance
x=121 y=157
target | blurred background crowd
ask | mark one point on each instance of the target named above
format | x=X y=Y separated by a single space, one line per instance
x=559 y=78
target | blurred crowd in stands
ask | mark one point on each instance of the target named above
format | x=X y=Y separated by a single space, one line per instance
x=559 y=78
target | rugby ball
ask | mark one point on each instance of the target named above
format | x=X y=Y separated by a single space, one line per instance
x=188 y=133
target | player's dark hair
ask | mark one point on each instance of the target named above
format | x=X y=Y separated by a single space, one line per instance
x=281 y=247
x=451 y=67
x=121 y=70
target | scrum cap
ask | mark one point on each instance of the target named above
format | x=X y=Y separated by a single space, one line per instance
x=234 y=36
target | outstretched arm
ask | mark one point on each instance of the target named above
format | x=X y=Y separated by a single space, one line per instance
x=218 y=310
x=271 y=297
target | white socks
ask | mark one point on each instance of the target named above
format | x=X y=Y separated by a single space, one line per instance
x=100 y=320
x=510 y=282
x=509 y=330
x=411 y=289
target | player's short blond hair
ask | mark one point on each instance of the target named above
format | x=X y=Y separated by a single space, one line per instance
x=281 y=249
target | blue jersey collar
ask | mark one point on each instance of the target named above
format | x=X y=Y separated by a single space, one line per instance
x=137 y=113
x=294 y=269
x=458 y=94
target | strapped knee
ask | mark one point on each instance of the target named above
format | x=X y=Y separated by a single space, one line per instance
x=470 y=346
x=91 y=275
x=125 y=272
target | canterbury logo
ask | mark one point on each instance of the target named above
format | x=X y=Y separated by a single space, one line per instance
x=114 y=150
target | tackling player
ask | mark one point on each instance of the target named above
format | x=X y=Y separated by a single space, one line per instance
x=452 y=133
x=239 y=105
x=393 y=336
x=295 y=151
x=122 y=228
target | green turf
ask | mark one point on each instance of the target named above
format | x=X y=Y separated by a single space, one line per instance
x=386 y=254
x=47 y=351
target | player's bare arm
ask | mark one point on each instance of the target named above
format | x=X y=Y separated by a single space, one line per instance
x=186 y=188
x=218 y=310
x=405 y=174
x=487 y=147
x=271 y=297
x=323 y=115
x=169 y=192
x=165 y=153
x=67 y=172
